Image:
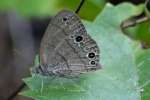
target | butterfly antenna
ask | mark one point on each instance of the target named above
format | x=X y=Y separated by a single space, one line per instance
x=79 y=7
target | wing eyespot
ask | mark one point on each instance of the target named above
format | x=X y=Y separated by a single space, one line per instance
x=78 y=38
x=91 y=55
x=92 y=63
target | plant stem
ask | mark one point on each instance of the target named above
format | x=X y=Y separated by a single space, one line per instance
x=131 y=23
x=79 y=7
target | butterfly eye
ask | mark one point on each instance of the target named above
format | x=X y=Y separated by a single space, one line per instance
x=79 y=38
x=91 y=55
x=92 y=62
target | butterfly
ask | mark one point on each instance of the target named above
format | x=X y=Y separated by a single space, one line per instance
x=66 y=48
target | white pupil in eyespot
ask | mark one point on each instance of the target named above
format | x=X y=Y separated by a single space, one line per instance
x=79 y=38
x=92 y=62
x=91 y=55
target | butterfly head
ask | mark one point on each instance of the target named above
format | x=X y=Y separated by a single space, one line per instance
x=65 y=17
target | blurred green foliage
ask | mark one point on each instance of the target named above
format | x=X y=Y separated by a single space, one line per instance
x=147 y=4
x=42 y=8
x=140 y=32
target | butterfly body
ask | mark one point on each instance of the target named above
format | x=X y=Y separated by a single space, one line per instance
x=66 y=48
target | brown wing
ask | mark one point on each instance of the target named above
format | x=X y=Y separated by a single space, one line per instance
x=67 y=43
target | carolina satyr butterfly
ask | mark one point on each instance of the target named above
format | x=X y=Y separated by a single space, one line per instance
x=66 y=48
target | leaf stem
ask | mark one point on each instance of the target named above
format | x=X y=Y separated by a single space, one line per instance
x=131 y=23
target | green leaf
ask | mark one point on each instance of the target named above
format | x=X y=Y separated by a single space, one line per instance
x=117 y=80
x=140 y=32
x=91 y=8
x=147 y=9
x=119 y=13
x=143 y=63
